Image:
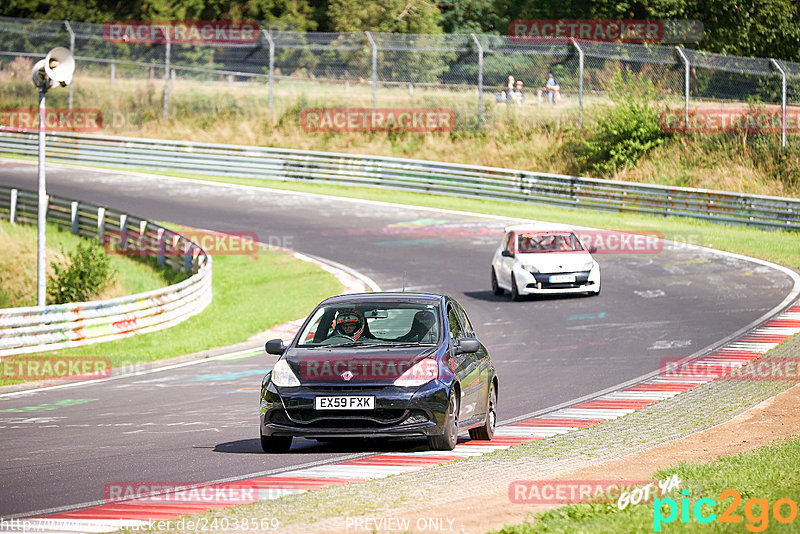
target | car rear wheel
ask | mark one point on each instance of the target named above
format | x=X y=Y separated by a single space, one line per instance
x=496 y=289
x=514 y=291
x=275 y=444
x=486 y=431
x=447 y=441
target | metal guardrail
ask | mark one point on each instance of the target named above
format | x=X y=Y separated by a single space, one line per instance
x=42 y=328
x=469 y=181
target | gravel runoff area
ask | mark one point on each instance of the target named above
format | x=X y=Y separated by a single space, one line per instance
x=334 y=509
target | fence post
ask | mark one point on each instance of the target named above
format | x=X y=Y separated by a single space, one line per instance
x=480 y=76
x=167 y=52
x=73 y=216
x=783 y=101
x=123 y=231
x=101 y=223
x=685 y=85
x=12 y=215
x=113 y=72
x=374 y=68
x=580 y=81
x=271 y=65
x=161 y=246
x=71 y=51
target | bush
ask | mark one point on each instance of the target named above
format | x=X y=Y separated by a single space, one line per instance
x=86 y=275
x=624 y=132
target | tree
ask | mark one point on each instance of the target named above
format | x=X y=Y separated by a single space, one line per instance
x=390 y=16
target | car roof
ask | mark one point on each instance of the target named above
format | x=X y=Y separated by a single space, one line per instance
x=354 y=298
x=539 y=227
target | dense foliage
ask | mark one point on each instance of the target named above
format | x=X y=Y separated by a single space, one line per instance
x=768 y=28
x=85 y=276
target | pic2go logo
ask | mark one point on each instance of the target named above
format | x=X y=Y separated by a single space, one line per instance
x=758 y=521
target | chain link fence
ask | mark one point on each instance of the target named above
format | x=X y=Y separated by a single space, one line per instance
x=468 y=73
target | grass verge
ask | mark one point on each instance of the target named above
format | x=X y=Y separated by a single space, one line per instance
x=760 y=477
x=251 y=294
x=18 y=266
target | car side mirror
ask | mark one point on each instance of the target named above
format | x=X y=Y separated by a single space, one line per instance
x=507 y=254
x=275 y=346
x=592 y=250
x=468 y=346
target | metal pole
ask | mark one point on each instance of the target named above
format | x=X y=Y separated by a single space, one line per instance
x=374 y=68
x=685 y=84
x=580 y=82
x=480 y=76
x=113 y=72
x=271 y=66
x=41 y=256
x=783 y=101
x=71 y=51
x=166 y=73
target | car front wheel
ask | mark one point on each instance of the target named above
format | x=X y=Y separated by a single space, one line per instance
x=447 y=441
x=514 y=291
x=275 y=444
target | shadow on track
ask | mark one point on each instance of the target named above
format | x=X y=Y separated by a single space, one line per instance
x=488 y=296
x=333 y=446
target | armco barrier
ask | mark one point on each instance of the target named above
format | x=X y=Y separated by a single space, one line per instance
x=469 y=181
x=41 y=328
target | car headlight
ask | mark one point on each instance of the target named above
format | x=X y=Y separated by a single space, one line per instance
x=531 y=269
x=420 y=373
x=283 y=376
x=588 y=266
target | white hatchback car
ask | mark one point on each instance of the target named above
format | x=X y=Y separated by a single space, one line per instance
x=543 y=259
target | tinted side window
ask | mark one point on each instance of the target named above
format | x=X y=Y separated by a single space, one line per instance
x=455 y=327
x=462 y=314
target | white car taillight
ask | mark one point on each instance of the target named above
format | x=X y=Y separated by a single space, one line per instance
x=420 y=373
x=283 y=376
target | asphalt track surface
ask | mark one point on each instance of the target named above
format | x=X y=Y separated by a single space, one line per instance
x=200 y=422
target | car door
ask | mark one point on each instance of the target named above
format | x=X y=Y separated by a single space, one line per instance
x=506 y=264
x=467 y=369
x=482 y=359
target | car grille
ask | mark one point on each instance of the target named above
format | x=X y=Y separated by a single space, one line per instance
x=313 y=419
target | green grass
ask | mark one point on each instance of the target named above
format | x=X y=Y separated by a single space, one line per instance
x=18 y=266
x=251 y=294
x=764 y=473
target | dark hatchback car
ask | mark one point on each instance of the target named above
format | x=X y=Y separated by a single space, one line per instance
x=380 y=365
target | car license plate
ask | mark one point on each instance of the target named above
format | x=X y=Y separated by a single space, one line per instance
x=345 y=402
x=562 y=278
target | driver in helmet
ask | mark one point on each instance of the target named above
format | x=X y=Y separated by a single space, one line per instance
x=350 y=322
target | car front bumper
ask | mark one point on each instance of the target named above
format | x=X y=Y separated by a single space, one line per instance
x=399 y=412
x=539 y=283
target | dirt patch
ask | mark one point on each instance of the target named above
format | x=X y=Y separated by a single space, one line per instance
x=773 y=419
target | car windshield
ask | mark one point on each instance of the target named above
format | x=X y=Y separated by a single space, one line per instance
x=385 y=323
x=529 y=243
